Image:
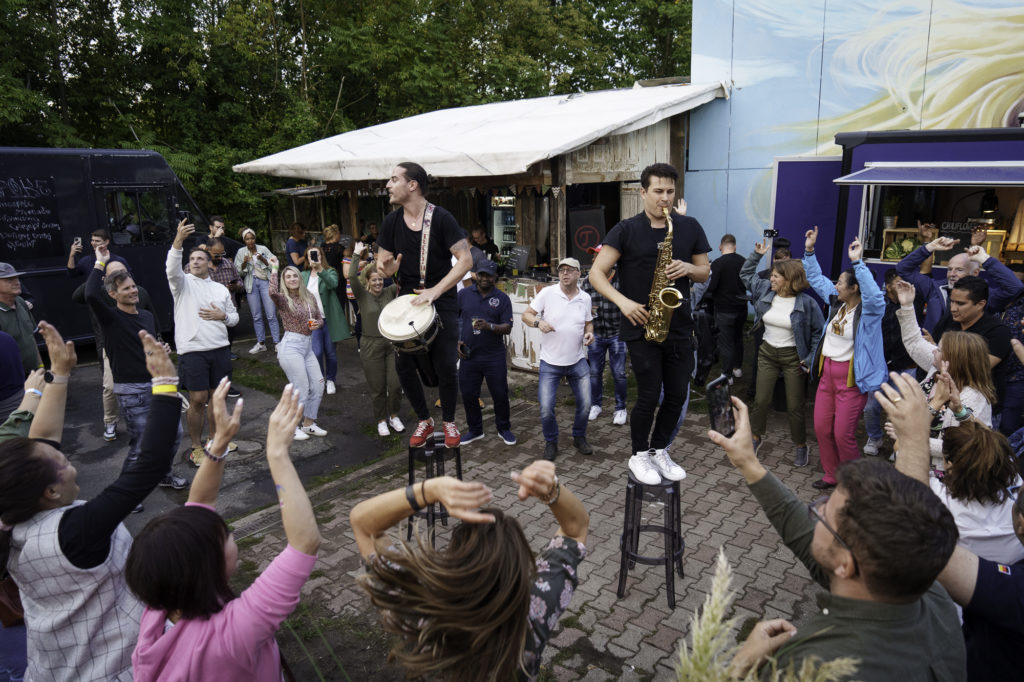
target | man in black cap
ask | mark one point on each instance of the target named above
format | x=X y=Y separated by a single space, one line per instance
x=485 y=318
x=15 y=318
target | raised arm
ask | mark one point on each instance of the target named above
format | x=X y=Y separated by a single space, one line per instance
x=907 y=407
x=748 y=273
x=175 y=275
x=95 y=294
x=373 y=517
x=48 y=423
x=920 y=350
x=539 y=480
x=821 y=284
x=296 y=511
x=1003 y=284
x=871 y=296
x=206 y=483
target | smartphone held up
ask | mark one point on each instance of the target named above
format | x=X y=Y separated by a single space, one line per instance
x=720 y=410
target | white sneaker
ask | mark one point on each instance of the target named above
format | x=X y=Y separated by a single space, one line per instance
x=300 y=434
x=258 y=348
x=382 y=429
x=313 y=430
x=872 y=446
x=643 y=470
x=331 y=388
x=619 y=418
x=737 y=372
x=666 y=467
x=595 y=411
x=396 y=424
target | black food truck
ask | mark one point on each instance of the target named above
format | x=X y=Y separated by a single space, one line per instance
x=50 y=197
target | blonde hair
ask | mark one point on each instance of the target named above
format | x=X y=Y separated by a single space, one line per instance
x=330 y=232
x=307 y=299
x=967 y=355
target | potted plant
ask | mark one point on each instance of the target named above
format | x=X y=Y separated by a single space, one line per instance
x=890 y=209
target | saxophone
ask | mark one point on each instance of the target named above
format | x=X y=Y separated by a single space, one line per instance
x=663 y=298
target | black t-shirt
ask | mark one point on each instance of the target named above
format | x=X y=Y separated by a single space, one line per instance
x=725 y=287
x=396 y=237
x=637 y=242
x=121 y=341
x=994 y=622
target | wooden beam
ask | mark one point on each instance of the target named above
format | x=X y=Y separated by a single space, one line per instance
x=353 y=213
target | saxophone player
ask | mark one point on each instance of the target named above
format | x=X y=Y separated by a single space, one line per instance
x=633 y=244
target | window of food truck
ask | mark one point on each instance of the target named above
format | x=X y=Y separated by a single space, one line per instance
x=138 y=216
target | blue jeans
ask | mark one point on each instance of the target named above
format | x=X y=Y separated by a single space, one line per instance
x=1010 y=410
x=617 y=362
x=134 y=402
x=579 y=381
x=873 y=418
x=295 y=355
x=323 y=349
x=13 y=653
x=495 y=371
x=262 y=306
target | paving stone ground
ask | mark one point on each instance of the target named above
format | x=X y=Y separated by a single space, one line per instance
x=601 y=637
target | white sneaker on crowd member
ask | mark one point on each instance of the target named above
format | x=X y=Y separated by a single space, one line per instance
x=313 y=430
x=872 y=446
x=382 y=429
x=110 y=431
x=396 y=424
x=300 y=434
x=666 y=467
x=331 y=388
x=595 y=412
x=643 y=469
x=258 y=348
x=619 y=418
x=737 y=372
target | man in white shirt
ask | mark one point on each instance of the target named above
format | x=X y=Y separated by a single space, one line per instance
x=203 y=311
x=564 y=315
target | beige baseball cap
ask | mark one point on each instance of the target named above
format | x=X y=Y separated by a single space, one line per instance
x=571 y=262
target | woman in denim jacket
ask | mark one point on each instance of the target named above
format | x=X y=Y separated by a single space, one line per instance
x=849 y=361
x=793 y=324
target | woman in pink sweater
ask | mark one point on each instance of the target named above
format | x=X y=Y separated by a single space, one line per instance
x=194 y=627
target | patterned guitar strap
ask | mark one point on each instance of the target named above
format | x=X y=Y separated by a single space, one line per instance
x=428 y=213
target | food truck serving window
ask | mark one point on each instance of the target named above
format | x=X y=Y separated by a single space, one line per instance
x=138 y=216
x=964 y=200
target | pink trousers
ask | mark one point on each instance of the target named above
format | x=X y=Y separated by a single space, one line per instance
x=837 y=408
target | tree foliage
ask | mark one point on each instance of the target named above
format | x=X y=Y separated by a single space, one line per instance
x=211 y=84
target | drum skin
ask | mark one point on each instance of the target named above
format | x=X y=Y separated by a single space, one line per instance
x=409 y=327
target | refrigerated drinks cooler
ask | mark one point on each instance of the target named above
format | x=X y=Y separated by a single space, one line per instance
x=503 y=223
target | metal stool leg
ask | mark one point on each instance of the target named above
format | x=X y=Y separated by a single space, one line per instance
x=625 y=540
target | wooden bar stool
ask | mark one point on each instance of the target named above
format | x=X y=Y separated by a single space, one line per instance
x=671 y=529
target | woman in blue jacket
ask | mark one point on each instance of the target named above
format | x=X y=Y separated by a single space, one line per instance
x=325 y=280
x=792 y=327
x=849 y=361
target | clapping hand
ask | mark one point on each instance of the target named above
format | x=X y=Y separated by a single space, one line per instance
x=62 y=353
x=227 y=424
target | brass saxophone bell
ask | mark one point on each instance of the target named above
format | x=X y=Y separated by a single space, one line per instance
x=670 y=297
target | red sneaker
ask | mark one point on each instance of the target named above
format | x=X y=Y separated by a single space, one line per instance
x=452 y=439
x=424 y=430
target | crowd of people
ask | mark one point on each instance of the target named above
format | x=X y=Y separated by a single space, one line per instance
x=898 y=548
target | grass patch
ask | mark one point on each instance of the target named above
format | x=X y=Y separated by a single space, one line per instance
x=267 y=377
x=251 y=541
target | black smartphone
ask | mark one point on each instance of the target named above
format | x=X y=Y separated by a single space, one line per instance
x=720 y=407
x=314 y=256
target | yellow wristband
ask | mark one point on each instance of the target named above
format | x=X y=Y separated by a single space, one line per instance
x=165 y=388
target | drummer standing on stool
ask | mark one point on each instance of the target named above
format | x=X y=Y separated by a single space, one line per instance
x=633 y=245
x=427 y=270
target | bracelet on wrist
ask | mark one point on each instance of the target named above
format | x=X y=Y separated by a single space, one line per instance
x=410 y=495
x=157 y=381
x=934 y=412
x=964 y=414
x=212 y=457
x=556 y=491
x=165 y=388
x=34 y=391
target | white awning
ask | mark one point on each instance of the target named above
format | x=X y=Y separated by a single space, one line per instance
x=925 y=173
x=501 y=138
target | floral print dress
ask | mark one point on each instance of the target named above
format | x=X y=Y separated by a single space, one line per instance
x=552 y=591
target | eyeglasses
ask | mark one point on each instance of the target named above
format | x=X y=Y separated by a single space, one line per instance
x=814 y=515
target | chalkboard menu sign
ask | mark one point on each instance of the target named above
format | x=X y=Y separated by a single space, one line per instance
x=29 y=229
x=518 y=257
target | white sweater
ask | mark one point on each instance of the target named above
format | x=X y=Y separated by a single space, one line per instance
x=192 y=333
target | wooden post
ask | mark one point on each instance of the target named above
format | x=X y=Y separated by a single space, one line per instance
x=353 y=212
x=678 y=127
x=558 y=235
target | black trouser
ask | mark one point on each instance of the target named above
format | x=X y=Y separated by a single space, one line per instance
x=442 y=355
x=730 y=338
x=668 y=364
